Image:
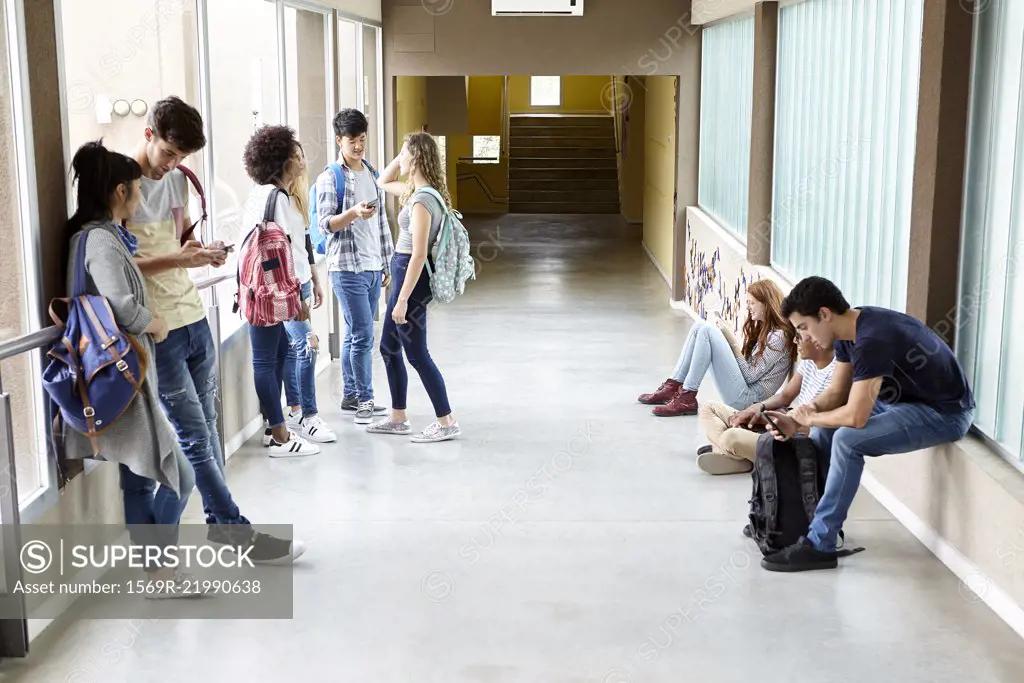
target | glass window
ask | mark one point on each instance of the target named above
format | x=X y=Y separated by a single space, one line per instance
x=372 y=93
x=442 y=146
x=990 y=329
x=309 y=111
x=726 y=97
x=348 y=64
x=245 y=94
x=545 y=91
x=19 y=280
x=486 y=149
x=846 y=119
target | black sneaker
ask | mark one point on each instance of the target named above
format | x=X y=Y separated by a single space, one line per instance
x=799 y=557
x=267 y=549
x=350 y=403
x=705 y=449
x=230 y=534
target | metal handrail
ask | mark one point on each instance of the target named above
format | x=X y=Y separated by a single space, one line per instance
x=42 y=338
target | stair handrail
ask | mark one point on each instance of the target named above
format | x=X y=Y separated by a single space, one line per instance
x=473 y=175
x=506 y=126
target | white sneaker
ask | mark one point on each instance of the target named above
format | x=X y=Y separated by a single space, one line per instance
x=294 y=447
x=294 y=421
x=315 y=429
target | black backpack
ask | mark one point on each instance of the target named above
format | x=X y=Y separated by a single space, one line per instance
x=788 y=480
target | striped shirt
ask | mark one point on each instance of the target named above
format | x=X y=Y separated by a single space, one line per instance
x=813 y=380
x=769 y=370
x=343 y=253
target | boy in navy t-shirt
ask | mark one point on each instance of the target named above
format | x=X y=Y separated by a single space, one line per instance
x=896 y=388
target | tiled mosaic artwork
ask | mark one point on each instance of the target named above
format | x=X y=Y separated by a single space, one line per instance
x=708 y=291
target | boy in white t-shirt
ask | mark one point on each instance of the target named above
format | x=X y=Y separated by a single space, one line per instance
x=733 y=435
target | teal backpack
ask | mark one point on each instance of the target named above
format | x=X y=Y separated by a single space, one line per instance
x=453 y=264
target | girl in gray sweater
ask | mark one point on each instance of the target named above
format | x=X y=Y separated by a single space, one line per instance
x=156 y=477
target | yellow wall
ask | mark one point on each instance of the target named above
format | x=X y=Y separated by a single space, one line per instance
x=660 y=169
x=589 y=94
x=632 y=142
x=410 y=104
x=485 y=94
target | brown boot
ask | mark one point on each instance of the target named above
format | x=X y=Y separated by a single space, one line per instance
x=663 y=395
x=683 y=403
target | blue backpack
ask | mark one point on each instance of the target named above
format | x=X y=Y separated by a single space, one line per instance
x=96 y=369
x=318 y=239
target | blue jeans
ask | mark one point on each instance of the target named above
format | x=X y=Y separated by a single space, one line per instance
x=892 y=428
x=358 y=294
x=186 y=372
x=146 y=505
x=412 y=336
x=707 y=348
x=269 y=351
x=300 y=361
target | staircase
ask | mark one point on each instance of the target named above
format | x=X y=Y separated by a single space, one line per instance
x=562 y=164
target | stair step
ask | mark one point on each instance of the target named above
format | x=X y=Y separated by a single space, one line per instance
x=548 y=163
x=517 y=174
x=559 y=131
x=561 y=153
x=564 y=196
x=517 y=120
x=556 y=207
x=594 y=142
x=585 y=182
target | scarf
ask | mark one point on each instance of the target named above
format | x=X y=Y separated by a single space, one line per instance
x=131 y=242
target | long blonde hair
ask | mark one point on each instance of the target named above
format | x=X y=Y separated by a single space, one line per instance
x=298 y=188
x=426 y=157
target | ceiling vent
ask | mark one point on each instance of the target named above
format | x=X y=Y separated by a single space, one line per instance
x=537 y=8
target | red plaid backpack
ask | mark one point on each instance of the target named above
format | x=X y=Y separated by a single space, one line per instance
x=268 y=291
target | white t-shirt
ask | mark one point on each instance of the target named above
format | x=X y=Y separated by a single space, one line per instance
x=812 y=380
x=367 y=232
x=285 y=215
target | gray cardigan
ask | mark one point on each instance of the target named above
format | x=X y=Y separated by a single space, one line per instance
x=142 y=438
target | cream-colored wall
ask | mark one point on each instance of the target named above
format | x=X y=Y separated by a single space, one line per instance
x=367 y=9
x=660 y=169
x=706 y=11
x=963 y=493
x=579 y=94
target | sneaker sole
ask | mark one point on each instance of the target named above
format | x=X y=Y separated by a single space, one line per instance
x=682 y=414
x=363 y=420
x=389 y=433
x=418 y=439
x=293 y=455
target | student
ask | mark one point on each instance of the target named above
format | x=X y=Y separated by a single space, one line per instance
x=733 y=435
x=897 y=388
x=744 y=374
x=359 y=250
x=185 y=359
x=156 y=478
x=304 y=345
x=273 y=159
x=405 y=324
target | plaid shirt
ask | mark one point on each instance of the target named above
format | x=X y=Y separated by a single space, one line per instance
x=341 y=246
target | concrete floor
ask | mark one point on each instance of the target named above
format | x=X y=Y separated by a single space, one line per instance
x=567 y=538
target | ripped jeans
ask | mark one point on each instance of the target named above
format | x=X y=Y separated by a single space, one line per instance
x=187 y=374
x=300 y=363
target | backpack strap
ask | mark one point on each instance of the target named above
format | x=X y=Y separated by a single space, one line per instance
x=194 y=180
x=339 y=182
x=807 y=463
x=764 y=463
x=442 y=234
x=78 y=284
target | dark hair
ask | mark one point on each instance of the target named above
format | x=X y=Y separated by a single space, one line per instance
x=98 y=172
x=267 y=154
x=812 y=294
x=351 y=123
x=178 y=123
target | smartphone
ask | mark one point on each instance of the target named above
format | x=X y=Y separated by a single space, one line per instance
x=770 y=421
x=228 y=248
x=372 y=203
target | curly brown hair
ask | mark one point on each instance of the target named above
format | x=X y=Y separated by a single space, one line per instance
x=267 y=154
x=426 y=157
